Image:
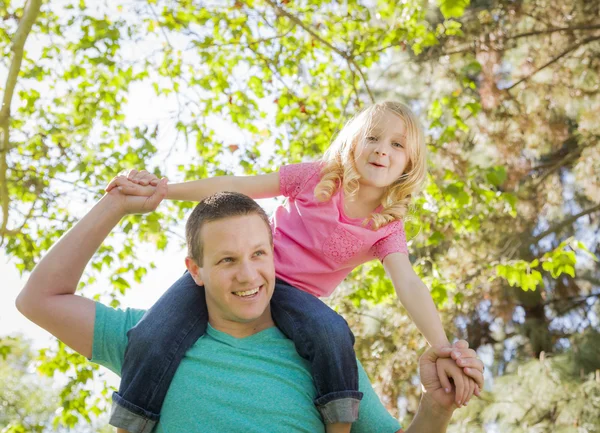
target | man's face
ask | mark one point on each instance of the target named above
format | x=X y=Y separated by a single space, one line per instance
x=237 y=272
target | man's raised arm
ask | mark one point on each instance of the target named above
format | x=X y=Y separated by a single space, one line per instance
x=48 y=298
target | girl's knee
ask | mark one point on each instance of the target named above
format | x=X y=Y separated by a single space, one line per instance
x=332 y=330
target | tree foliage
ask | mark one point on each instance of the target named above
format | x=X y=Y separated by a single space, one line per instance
x=505 y=233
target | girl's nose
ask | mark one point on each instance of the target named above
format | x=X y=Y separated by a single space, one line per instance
x=379 y=150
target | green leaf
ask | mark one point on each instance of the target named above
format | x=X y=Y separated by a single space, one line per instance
x=453 y=8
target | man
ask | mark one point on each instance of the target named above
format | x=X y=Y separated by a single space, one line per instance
x=243 y=375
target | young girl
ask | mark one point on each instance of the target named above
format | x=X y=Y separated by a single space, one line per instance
x=342 y=211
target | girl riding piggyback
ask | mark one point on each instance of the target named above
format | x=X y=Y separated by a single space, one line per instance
x=341 y=212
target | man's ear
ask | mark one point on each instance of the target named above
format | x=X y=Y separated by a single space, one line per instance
x=194 y=270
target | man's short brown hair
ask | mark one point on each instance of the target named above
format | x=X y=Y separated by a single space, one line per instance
x=215 y=207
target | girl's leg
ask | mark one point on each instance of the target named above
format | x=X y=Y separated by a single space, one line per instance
x=156 y=346
x=323 y=338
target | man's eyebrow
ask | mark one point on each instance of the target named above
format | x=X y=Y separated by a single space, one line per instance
x=260 y=245
x=224 y=253
x=234 y=253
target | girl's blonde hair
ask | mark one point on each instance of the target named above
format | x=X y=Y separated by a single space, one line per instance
x=339 y=167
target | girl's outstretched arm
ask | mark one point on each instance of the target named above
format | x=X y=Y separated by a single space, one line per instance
x=415 y=297
x=142 y=183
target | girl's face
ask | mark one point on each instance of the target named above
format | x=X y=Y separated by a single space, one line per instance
x=382 y=155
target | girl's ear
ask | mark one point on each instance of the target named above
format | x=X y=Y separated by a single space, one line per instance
x=194 y=270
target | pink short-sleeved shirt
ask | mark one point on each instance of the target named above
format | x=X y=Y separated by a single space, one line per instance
x=316 y=244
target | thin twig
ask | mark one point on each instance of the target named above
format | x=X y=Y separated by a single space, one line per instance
x=554 y=60
x=565 y=222
x=349 y=59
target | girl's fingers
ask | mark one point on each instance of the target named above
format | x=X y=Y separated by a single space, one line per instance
x=476 y=375
x=444 y=380
x=148 y=178
x=460 y=389
x=477 y=391
x=140 y=177
x=144 y=178
x=135 y=175
x=131 y=175
x=471 y=390
x=465 y=394
x=130 y=188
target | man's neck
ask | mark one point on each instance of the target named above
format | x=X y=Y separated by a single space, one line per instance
x=242 y=329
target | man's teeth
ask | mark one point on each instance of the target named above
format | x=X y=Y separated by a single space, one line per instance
x=247 y=292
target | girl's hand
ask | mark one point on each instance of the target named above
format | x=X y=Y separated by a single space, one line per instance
x=128 y=187
x=131 y=204
x=142 y=177
x=467 y=359
x=464 y=385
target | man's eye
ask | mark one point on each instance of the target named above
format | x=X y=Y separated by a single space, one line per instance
x=227 y=260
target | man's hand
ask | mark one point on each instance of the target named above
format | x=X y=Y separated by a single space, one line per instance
x=432 y=386
x=139 y=183
x=133 y=198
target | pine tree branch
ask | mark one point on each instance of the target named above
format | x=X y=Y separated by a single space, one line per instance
x=31 y=11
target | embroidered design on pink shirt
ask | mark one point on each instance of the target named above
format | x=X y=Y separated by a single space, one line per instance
x=342 y=245
x=395 y=242
x=294 y=177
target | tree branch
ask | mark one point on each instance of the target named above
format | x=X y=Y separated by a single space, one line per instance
x=557 y=58
x=32 y=9
x=570 y=157
x=349 y=59
x=565 y=223
x=554 y=30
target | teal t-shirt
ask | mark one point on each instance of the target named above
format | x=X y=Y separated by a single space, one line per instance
x=255 y=384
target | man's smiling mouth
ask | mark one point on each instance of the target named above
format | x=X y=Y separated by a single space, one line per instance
x=247 y=293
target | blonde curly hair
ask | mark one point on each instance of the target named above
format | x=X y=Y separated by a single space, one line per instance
x=339 y=168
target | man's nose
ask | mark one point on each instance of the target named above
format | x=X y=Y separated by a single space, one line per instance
x=247 y=272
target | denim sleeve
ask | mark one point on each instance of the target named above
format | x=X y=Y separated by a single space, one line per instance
x=373 y=416
x=110 y=335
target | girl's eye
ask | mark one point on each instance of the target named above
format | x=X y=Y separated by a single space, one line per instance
x=259 y=253
x=399 y=145
x=371 y=138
